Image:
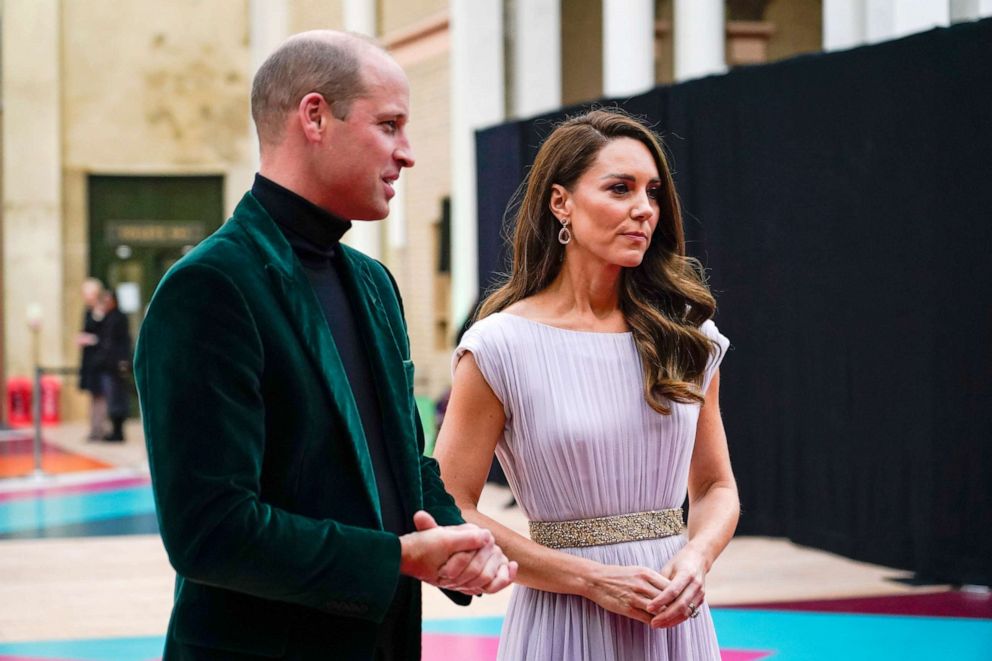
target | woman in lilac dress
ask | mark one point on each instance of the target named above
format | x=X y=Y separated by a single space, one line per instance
x=593 y=374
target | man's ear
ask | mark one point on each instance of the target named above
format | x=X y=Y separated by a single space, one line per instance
x=313 y=115
x=561 y=201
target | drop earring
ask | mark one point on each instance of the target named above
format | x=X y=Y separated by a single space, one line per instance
x=564 y=235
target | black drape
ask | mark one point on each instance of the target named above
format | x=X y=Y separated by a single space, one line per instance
x=840 y=203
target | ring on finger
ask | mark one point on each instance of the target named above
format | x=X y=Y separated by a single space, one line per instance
x=693 y=610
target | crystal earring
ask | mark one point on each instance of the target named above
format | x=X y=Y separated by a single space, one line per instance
x=564 y=235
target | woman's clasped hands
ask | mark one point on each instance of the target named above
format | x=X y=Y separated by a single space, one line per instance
x=659 y=599
x=683 y=597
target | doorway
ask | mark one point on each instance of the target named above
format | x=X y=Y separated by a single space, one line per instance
x=141 y=226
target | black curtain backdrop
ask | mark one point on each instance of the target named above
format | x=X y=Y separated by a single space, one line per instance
x=840 y=203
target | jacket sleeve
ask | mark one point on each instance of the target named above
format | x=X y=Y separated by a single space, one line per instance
x=437 y=501
x=198 y=369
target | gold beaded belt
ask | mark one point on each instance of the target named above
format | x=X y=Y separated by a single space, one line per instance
x=607 y=529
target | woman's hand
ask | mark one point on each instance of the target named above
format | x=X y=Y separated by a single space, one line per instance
x=626 y=591
x=686 y=573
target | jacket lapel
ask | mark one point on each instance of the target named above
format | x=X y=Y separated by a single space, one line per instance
x=303 y=311
x=393 y=376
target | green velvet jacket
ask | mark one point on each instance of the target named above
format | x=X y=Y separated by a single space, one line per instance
x=263 y=483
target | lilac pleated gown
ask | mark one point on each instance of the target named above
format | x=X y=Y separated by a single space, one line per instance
x=581 y=442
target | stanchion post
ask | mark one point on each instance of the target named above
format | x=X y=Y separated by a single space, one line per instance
x=36 y=406
x=34 y=318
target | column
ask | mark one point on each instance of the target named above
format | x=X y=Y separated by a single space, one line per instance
x=536 y=80
x=891 y=19
x=700 y=38
x=849 y=23
x=366 y=236
x=920 y=16
x=268 y=27
x=396 y=222
x=628 y=46
x=970 y=10
x=32 y=182
x=359 y=16
x=477 y=100
x=843 y=24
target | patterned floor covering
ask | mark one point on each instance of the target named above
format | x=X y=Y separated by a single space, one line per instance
x=945 y=625
x=17 y=458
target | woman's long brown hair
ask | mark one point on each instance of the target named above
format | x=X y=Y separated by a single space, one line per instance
x=664 y=300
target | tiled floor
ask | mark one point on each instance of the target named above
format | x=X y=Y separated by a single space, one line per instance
x=83 y=576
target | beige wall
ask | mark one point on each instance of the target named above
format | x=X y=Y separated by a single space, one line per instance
x=426 y=185
x=167 y=95
x=315 y=15
x=32 y=200
x=170 y=91
x=581 y=51
x=798 y=27
x=400 y=14
x=664 y=49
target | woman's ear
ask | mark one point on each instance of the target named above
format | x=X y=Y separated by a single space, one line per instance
x=312 y=114
x=561 y=202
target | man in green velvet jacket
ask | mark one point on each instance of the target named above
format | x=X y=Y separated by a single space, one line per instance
x=269 y=494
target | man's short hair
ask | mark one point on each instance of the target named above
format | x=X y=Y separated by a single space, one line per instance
x=328 y=63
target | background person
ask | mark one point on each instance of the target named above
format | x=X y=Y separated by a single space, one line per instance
x=89 y=375
x=112 y=362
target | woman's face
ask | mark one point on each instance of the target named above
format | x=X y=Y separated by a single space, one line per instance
x=613 y=207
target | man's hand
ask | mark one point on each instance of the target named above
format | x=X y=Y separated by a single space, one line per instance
x=463 y=558
x=484 y=571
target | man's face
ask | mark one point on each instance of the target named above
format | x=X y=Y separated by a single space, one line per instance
x=361 y=156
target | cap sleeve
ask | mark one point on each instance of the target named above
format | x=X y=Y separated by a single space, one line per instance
x=485 y=351
x=717 y=353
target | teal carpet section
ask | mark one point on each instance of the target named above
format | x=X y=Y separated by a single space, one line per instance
x=103 y=649
x=791 y=636
x=829 y=636
x=475 y=626
x=68 y=509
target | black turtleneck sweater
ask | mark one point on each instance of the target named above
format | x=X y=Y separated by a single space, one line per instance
x=314 y=234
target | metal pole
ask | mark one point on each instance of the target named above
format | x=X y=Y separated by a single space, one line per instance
x=36 y=406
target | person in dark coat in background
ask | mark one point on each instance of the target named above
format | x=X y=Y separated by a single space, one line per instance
x=89 y=376
x=113 y=361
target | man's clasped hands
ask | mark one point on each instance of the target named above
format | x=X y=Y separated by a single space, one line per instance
x=464 y=558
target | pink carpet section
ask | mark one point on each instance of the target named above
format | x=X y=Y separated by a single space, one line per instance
x=448 y=647
x=736 y=655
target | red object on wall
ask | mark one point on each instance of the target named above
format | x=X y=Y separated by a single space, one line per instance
x=51 y=388
x=19 y=401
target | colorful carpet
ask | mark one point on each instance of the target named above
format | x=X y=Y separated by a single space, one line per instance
x=745 y=635
x=937 y=626
x=17 y=459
